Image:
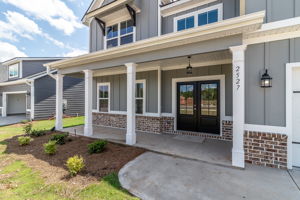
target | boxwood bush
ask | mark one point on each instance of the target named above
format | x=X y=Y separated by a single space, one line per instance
x=37 y=133
x=75 y=164
x=50 y=147
x=27 y=128
x=59 y=138
x=24 y=140
x=97 y=146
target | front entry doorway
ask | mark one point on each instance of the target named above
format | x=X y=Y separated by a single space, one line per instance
x=198 y=106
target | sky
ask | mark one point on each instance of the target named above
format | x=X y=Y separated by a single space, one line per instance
x=42 y=28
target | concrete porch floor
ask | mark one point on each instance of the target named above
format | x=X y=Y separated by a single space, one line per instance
x=195 y=148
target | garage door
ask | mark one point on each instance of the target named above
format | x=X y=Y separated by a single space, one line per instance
x=296 y=117
x=16 y=104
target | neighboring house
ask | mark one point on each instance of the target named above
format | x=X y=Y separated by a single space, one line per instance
x=27 y=89
x=138 y=73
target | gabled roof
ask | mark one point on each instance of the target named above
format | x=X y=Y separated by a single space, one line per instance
x=28 y=79
x=18 y=59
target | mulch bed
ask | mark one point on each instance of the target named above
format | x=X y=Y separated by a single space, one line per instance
x=53 y=168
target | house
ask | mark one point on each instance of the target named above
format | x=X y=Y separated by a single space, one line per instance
x=27 y=89
x=223 y=69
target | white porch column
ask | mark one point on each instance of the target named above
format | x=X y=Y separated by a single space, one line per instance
x=32 y=98
x=88 y=125
x=131 y=77
x=59 y=102
x=159 y=91
x=238 y=74
x=4 y=104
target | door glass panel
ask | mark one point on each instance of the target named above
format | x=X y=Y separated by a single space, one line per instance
x=186 y=99
x=209 y=99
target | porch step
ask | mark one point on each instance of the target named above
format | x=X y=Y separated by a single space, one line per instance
x=189 y=138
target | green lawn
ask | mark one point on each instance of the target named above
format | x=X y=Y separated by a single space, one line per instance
x=19 y=182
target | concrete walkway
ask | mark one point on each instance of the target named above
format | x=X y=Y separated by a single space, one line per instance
x=195 y=148
x=155 y=176
x=4 y=121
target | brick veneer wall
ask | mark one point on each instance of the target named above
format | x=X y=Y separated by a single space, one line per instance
x=143 y=123
x=156 y=125
x=266 y=149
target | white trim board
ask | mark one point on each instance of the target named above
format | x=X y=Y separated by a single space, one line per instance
x=182 y=5
x=289 y=109
x=220 y=78
x=266 y=129
x=274 y=31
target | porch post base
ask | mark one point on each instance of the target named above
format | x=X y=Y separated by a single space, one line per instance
x=131 y=138
x=88 y=130
x=238 y=158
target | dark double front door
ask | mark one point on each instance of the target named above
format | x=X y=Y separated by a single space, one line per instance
x=198 y=106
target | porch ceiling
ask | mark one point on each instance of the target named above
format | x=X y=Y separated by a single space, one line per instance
x=199 y=60
x=231 y=27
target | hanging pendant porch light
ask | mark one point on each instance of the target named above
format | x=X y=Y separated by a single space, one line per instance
x=189 y=68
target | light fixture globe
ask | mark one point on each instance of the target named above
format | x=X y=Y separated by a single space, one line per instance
x=266 y=80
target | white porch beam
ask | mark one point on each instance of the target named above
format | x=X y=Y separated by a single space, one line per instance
x=88 y=125
x=131 y=78
x=59 y=102
x=238 y=74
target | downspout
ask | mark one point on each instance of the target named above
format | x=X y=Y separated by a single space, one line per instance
x=158 y=18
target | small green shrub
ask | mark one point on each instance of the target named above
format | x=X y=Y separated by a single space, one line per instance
x=75 y=164
x=27 y=128
x=37 y=133
x=97 y=146
x=24 y=140
x=50 y=147
x=59 y=138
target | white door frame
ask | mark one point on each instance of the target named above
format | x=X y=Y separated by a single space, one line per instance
x=220 y=78
x=289 y=109
x=4 y=101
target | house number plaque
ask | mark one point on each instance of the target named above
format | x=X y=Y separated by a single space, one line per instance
x=237 y=77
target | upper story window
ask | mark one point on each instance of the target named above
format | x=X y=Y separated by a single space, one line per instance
x=199 y=18
x=120 y=34
x=13 y=71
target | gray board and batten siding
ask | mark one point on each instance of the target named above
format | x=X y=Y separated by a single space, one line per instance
x=275 y=9
x=118 y=88
x=45 y=97
x=267 y=106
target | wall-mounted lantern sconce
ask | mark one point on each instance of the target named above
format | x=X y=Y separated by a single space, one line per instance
x=189 y=68
x=28 y=94
x=266 y=80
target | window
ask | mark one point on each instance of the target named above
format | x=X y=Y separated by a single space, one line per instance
x=103 y=97
x=140 y=97
x=199 y=18
x=208 y=17
x=120 y=34
x=13 y=71
x=186 y=23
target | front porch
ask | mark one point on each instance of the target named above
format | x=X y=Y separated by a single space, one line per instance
x=191 y=147
x=156 y=97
